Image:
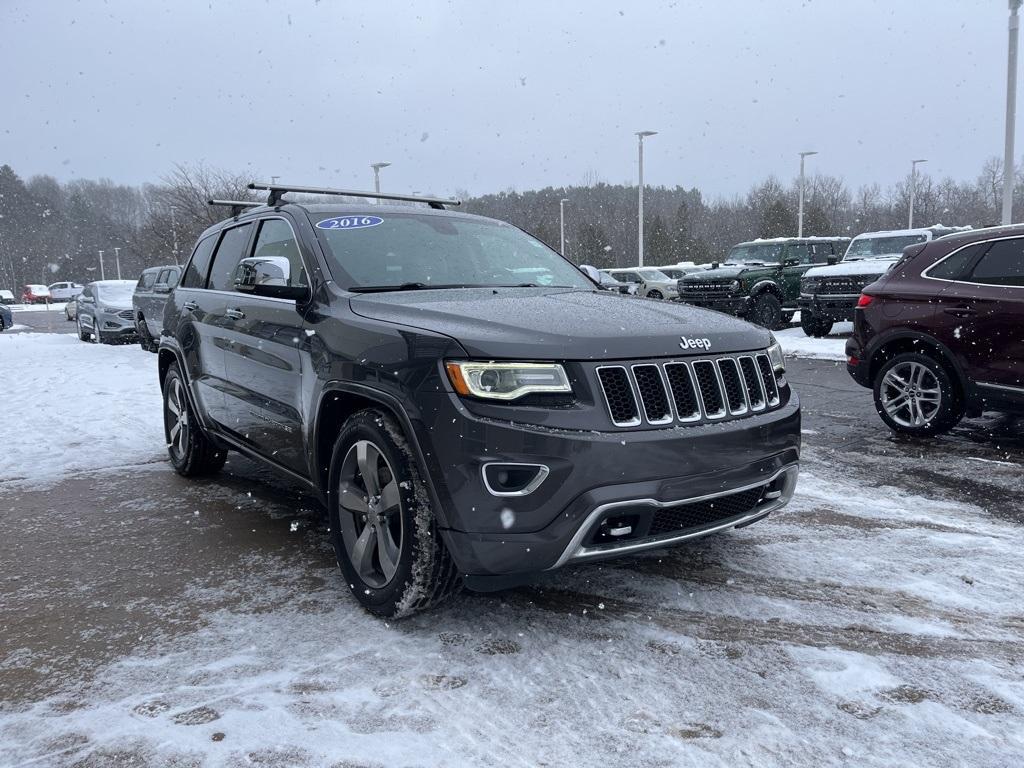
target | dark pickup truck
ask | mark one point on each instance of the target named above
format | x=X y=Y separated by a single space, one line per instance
x=460 y=423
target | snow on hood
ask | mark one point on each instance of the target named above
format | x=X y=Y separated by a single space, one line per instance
x=875 y=266
x=560 y=324
x=722 y=273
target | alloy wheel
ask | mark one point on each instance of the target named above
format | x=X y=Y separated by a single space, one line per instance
x=176 y=416
x=372 y=527
x=911 y=394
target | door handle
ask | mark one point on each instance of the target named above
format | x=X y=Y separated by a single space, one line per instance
x=961 y=311
x=235 y=313
x=190 y=306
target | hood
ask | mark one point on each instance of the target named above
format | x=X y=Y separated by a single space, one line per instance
x=875 y=266
x=556 y=324
x=722 y=273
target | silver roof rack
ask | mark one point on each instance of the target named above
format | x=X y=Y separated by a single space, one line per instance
x=276 y=190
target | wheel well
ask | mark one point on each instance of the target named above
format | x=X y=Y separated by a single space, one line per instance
x=766 y=287
x=335 y=408
x=166 y=357
x=919 y=346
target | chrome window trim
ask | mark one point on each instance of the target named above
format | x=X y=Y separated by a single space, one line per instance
x=608 y=403
x=533 y=485
x=926 y=276
x=575 y=550
x=643 y=406
x=247 y=296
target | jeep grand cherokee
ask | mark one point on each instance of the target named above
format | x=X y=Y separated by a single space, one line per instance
x=459 y=423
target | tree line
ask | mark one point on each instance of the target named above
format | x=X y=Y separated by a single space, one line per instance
x=52 y=231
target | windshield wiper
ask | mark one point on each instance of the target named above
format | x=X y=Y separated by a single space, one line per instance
x=406 y=287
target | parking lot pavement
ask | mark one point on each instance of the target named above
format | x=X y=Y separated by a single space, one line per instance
x=147 y=619
x=40 y=319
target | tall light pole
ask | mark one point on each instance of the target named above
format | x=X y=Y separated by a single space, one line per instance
x=376 y=176
x=913 y=190
x=561 y=216
x=641 y=135
x=117 y=260
x=800 y=213
x=102 y=276
x=1011 y=112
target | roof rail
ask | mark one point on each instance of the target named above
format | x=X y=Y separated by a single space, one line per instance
x=237 y=206
x=276 y=190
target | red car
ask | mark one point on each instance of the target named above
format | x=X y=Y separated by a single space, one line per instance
x=941 y=335
x=35 y=294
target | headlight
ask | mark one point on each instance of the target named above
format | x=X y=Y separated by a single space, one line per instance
x=507 y=381
x=778 y=361
x=734 y=286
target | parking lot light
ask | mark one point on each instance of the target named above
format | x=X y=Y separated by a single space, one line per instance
x=640 y=215
x=376 y=176
x=800 y=214
x=913 y=190
x=561 y=216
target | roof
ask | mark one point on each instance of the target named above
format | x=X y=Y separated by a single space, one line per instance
x=908 y=232
x=814 y=239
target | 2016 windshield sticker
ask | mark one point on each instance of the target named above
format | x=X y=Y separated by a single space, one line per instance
x=350 y=222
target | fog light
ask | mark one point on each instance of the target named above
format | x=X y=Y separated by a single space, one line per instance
x=511 y=479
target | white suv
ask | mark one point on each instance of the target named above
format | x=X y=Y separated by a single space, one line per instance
x=648 y=280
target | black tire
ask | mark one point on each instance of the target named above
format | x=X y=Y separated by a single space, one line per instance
x=83 y=334
x=191 y=452
x=937 y=399
x=766 y=311
x=145 y=340
x=815 y=326
x=787 y=318
x=423 y=574
x=655 y=294
x=67 y=314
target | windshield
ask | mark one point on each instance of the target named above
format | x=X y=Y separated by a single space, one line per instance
x=750 y=253
x=873 y=247
x=421 y=251
x=653 y=275
x=117 y=293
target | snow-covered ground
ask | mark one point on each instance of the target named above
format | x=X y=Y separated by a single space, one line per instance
x=71 y=406
x=796 y=343
x=865 y=625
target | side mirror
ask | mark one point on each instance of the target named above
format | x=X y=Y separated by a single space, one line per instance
x=790 y=262
x=161 y=288
x=832 y=260
x=87 y=299
x=591 y=272
x=268 y=276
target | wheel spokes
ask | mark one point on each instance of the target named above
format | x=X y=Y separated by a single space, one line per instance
x=387 y=551
x=389 y=496
x=353 y=499
x=364 y=550
x=367 y=458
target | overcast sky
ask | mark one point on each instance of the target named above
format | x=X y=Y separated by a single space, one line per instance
x=487 y=96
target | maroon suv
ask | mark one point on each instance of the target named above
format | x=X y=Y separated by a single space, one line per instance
x=941 y=334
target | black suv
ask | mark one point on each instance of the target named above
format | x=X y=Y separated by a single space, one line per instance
x=466 y=402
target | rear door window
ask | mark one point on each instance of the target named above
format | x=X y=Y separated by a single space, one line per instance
x=954 y=265
x=1002 y=264
x=232 y=249
x=199 y=264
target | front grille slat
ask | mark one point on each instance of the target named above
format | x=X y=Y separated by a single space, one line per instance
x=693 y=391
x=653 y=395
x=771 y=389
x=683 y=394
x=618 y=394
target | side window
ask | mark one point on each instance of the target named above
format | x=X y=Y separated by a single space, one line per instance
x=820 y=252
x=199 y=264
x=147 y=280
x=1003 y=264
x=172 y=277
x=629 y=277
x=801 y=254
x=229 y=253
x=275 y=239
x=953 y=266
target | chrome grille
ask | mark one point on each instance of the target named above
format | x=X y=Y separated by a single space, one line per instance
x=126 y=314
x=710 y=390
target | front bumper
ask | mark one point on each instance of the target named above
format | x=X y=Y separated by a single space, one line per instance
x=838 y=309
x=593 y=477
x=732 y=305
